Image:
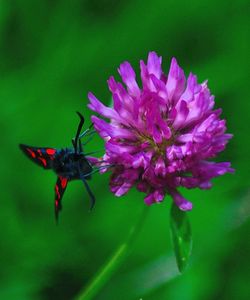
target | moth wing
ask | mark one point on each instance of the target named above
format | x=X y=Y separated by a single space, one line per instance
x=60 y=188
x=40 y=155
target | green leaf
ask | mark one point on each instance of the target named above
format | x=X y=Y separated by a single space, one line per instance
x=181 y=236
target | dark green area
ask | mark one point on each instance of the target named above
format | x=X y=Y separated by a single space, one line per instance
x=51 y=54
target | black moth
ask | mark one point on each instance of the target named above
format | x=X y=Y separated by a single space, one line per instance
x=68 y=164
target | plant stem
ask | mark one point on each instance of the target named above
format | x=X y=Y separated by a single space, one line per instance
x=106 y=272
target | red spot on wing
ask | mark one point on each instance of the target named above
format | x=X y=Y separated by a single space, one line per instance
x=44 y=162
x=31 y=152
x=57 y=193
x=63 y=182
x=39 y=151
x=50 y=151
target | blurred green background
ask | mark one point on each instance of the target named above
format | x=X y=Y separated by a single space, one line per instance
x=51 y=54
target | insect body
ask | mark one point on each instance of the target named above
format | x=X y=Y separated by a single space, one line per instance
x=68 y=164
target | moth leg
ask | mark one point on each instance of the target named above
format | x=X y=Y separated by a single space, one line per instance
x=91 y=195
x=73 y=142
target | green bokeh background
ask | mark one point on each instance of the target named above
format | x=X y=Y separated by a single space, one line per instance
x=51 y=54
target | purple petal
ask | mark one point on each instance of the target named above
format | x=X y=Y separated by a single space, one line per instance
x=119 y=149
x=128 y=76
x=158 y=195
x=160 y=167
x=149 y=199
x=108 y=130
x=154 y=64
x=103 y=110
x=180 y=201
x=140 y=160
x=192 y=86
x=124 y=104
x=147 y=83
x=154 y=197
x=123 y=189
x=181 y=115
x=175 y=82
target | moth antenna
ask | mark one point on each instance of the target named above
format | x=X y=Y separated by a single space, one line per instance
x=93 y=152
x=88 y=129
x=75 y=143
x=98 y=169
x=90 y=135
x=99 y=162
x=80 y=146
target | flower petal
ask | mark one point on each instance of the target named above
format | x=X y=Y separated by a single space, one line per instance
x=181 y=115
x=103 y=110
x=108 y=130
x=175 y=82
x=128 y=76
x=154 y=64
x=180 y=201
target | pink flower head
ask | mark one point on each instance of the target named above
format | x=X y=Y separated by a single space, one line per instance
x=163 y=135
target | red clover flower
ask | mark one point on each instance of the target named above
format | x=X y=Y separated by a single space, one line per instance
x=163 y=135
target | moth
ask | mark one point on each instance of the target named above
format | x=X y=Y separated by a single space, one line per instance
x=68 y=164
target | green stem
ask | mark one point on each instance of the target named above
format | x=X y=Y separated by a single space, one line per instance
x=105 y=273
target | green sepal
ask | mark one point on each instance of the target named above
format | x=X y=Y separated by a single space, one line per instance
x=181 y=236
